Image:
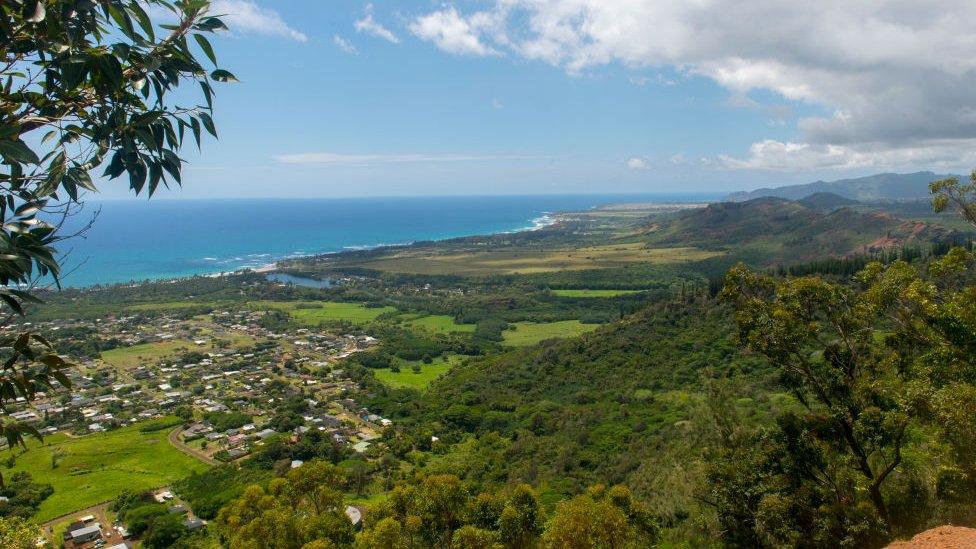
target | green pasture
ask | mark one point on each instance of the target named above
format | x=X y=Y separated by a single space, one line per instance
x=97 y=467
x=407 y=378
x=594 y=293
x=523 y=334
x=439 y=324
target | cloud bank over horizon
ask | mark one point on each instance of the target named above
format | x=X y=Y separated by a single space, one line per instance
x=894 y=78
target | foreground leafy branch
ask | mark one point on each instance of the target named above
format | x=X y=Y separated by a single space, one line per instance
x=86 y=85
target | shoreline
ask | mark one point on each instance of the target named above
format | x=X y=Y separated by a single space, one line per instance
x=548 y=219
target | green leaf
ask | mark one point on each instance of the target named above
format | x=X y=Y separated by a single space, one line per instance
x=17 y=151
x=206 y=47
x=208 y=124
x=220 y=75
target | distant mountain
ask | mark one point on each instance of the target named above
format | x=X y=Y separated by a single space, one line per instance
x=826 y=202
x=770 y=230
x=882 y=186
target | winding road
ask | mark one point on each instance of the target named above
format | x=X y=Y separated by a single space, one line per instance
x=174 y=439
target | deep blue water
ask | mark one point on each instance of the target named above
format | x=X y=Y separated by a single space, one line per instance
x=139 y=240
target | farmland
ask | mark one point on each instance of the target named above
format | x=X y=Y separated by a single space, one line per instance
x=527 y=261
x=593 y=293
x=406 y=377
x=523 y=334
x=134 y=355
x=439 y=324
x=95 y=468
x=315 y=312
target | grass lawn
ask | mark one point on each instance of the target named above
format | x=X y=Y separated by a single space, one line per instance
x=594 y=293
x=523 y=334
x=126 y=357
x=407 y=378
x=320 y=311
x=97 y=467
x=146 y=352
x=439 y=324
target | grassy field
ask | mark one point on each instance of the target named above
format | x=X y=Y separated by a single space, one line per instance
x=319 y=311
x=522 y=334
x=126 y=357
x=440 y=324
x=428 y=261
x=146 y=352
x=96 y=468
x=593 y=293
x=407 y=378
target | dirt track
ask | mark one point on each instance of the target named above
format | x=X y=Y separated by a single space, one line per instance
x=942 y=537
x=174 y=439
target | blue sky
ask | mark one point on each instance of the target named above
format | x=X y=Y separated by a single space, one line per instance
x=349 y=98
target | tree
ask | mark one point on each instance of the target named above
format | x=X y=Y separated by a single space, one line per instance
x=164 y=531
x=85 y=85
x=387 y=534
x=951 y=193
x=586 y=523
x=304 y=506
x=18 y=533
x=521 y=520
x=873 y=366
x=600 y=518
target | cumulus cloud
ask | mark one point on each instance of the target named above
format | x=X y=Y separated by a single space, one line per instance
x=637 y=163
x=455 y=34
x=775 y=155
x=894 y=77
x=344 y=44
x=247 y=17
x=370 y=26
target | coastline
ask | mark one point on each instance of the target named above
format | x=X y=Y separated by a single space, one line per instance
x=547 y=219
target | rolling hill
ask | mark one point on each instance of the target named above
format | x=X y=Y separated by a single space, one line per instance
x=882 y=186
x=770 y=230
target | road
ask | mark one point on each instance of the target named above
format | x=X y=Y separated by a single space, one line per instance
x=174 y=439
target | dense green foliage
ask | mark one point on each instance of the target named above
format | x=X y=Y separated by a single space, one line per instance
x=86 y=84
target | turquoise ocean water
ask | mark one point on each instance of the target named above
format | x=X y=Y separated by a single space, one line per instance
x=140 y=240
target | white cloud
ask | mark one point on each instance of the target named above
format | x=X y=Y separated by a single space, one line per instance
x=370 y=26
x=637 y=163
x=455 y=34
x=344 y=44
x=367 y=159
x=897 y=75
x=946 y=154
x=496 y=104
x=247 y=17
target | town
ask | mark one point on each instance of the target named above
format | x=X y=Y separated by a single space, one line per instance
x=219 y=386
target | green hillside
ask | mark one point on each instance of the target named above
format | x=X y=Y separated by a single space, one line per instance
x=765 y=231
x=882 y=186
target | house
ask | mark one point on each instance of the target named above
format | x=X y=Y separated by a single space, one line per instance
x=193 y=524
x=177 y=509
x=296 y=463
x=86 y=534
x=265 y=433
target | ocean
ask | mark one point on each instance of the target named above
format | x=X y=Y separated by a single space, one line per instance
x=136 y=240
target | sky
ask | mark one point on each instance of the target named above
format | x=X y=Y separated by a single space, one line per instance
x=343 y=98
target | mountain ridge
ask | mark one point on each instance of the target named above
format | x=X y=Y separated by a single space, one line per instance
x=882 y=186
